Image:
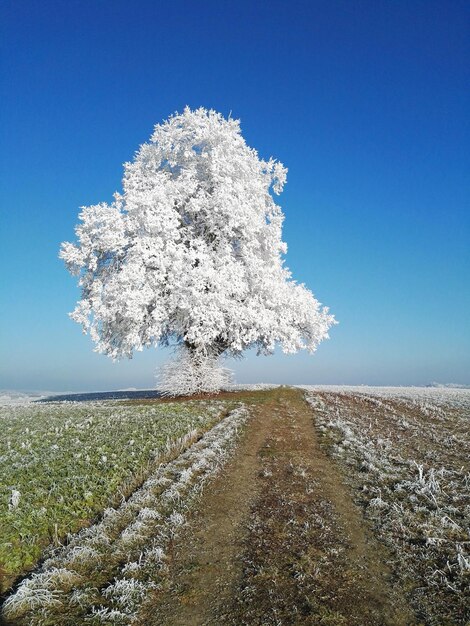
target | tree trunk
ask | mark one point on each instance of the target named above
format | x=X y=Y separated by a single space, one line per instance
x=192 y=372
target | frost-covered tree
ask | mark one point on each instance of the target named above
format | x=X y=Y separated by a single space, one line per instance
x=191 y=252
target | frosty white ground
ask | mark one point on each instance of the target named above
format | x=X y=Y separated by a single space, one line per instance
x=13 y=397
x=456 y=396
x=405 y=451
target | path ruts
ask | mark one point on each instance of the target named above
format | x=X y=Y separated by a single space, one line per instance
x=277 y=539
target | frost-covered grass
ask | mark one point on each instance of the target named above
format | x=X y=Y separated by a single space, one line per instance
x=447 y=397
x=406 y=453
x=61 y=464
x=106 y=571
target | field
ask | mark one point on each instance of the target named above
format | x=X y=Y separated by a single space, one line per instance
x=406 y=455
x=329 y=506
x=61 y=464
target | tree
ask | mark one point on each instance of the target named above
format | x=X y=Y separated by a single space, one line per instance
x=191 y=253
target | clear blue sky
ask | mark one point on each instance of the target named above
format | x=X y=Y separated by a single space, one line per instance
x=364 y=101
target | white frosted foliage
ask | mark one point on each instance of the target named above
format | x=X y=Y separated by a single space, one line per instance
x=191 y=251
x=192 y=372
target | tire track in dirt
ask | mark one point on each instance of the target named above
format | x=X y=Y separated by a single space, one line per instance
x=204 y=563
x=277 y=538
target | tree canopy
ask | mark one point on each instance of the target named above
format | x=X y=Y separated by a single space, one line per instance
x=191 y=251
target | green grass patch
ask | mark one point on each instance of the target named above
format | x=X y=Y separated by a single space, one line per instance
x=69 y=461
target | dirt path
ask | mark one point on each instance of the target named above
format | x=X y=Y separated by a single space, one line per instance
x=277 y=539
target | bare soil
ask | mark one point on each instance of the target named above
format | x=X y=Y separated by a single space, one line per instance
x=277 y=538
